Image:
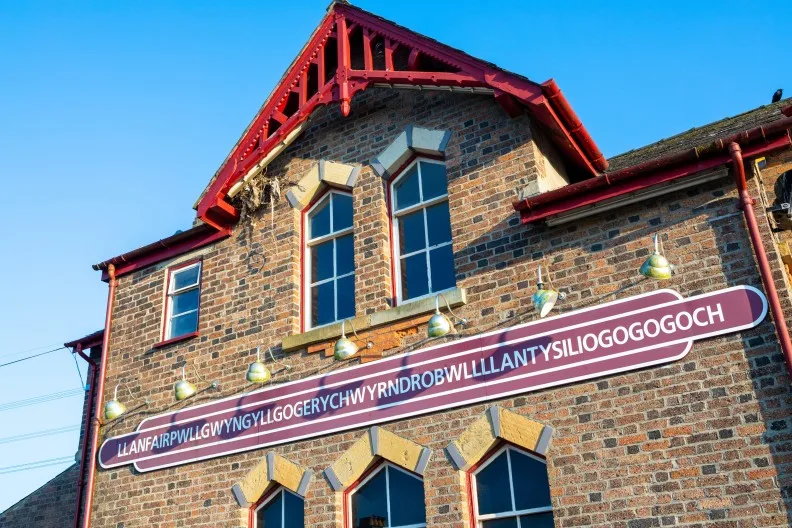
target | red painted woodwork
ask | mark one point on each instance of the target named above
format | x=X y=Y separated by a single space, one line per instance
x=388 y=54
x=175 y=245
x=573 y=124
x=84 y=343
x=588 y=192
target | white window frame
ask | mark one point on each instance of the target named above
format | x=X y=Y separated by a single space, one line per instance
x=514 y=513
x=374 y=473
x=421 y=205
x=272 y=497
x=307 y=251
x=171 y=292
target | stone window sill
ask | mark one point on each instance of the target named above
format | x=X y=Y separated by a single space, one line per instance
x=175 y=340
x=456 y=297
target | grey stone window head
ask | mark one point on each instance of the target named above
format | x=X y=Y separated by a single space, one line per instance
x=412 y=141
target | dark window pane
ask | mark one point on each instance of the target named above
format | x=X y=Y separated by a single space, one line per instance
x=184 y=324
x=342 y=211
x=433 y=180
x=322 y=261
x=322 y=304
x=508 y=522
x=441 y=261
x=270 y=515
x=406 y=499
x=411 y=232
x=295 y=514
x=184 y=302
x=184 y=278
x=531 y=487
x=492 y=487
x=346 y=297
x=407 y=189
x=345 y=255
x=537 y=520
x=438 y=223
x=413 y=275
x=370 y=500
x=319 y=220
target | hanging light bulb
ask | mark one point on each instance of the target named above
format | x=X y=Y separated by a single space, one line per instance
x=183 y=388
x=114 y=408
x=657 y=266
x=345 y=348
x=258 y=371
x=439 y=324
x=544 y=299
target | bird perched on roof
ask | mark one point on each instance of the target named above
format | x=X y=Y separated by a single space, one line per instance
x=777 y=95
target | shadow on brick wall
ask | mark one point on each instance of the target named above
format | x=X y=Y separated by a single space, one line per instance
x=741 y=443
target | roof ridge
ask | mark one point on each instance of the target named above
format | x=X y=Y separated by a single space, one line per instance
x=666 y=140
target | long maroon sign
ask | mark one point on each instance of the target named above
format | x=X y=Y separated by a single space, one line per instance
x=650 y=329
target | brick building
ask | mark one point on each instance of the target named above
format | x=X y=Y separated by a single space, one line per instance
x=387 y=168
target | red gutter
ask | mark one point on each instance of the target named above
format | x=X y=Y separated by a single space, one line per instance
x=113 y=282
x=652 y=172
x=89 y=341
x=573 y=124
x=167 y=248
x=746 y=204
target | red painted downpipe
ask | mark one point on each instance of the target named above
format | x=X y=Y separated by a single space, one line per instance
x=86 y=418
x=746 y=204
x=89 y=480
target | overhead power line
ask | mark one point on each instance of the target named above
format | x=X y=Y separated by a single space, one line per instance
x=39 y=434
x=31 y=357
x=36 y=465
x=40 y=399
x=29 y=350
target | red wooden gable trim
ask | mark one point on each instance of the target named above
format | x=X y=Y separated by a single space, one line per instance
x=167 y=248
x=352 y=49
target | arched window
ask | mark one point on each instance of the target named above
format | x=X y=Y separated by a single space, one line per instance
x=388 y=496
x=511 y=490
x=279 y=509
x=424 y=257
x=329 y=260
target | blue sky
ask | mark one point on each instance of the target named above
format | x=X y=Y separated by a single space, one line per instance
x=113 y=116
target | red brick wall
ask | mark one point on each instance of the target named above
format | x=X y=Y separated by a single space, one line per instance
x=698 y=442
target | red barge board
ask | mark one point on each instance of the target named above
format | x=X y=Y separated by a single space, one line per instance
x=640 y=331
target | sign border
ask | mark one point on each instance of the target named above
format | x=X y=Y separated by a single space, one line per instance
x=400 y=357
